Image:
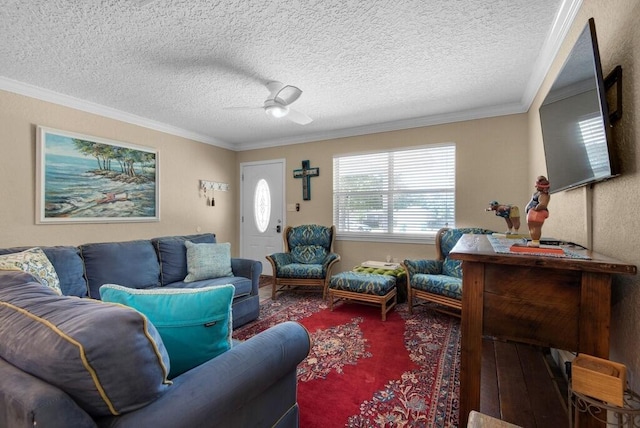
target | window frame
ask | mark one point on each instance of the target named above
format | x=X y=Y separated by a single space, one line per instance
x=367 y=236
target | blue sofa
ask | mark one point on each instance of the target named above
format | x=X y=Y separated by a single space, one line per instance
x=252 y=384
x=148 y=263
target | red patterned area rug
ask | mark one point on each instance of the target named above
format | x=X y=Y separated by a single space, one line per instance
x=363 y=372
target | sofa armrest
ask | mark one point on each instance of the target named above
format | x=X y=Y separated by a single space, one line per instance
x=240 y=383
x=26 y=401
x=248 y=268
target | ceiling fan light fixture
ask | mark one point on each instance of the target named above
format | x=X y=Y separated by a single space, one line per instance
x=276 y=110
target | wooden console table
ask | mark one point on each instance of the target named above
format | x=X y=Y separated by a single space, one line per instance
x=556 y=302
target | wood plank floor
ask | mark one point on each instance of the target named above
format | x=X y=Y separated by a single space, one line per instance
x=521 y=384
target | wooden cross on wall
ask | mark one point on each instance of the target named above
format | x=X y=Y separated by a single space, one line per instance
x=305 y=173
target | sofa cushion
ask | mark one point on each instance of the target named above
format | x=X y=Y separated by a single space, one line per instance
x=195 y=324
x=35 y=262
x=206 y=261
x=68 y=265
x=109 y=358
x=172 y=254
x=241 y=284
x=131 y=264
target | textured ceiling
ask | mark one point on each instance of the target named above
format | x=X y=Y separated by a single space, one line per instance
x=363 y=66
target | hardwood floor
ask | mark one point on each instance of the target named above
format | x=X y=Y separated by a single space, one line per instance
x=521 y=384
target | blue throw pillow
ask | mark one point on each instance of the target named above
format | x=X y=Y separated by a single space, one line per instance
x=195 y=324
x=206 y=261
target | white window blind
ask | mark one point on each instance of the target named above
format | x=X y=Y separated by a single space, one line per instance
x=397 y=193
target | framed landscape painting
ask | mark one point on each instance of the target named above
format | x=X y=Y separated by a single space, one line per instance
x=83 y=179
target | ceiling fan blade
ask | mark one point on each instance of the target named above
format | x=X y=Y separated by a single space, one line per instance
x=298 y=117
x=287 y=95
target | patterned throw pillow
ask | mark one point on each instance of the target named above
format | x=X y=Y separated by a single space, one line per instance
x=309 y=254
x=206 y=261
x=35 y=262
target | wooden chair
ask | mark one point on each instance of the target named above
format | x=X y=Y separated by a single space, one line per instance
x=307 y=260
x=439 y=281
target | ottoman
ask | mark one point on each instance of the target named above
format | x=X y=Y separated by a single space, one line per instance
x=367 y=288
x=400 y=274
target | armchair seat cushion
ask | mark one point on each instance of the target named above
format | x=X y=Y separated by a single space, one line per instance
x=444 y=285
x=301 y=270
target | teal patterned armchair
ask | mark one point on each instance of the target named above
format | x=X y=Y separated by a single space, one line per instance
x=439 y=281
x=307 y=261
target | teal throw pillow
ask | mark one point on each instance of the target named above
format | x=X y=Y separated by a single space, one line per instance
x=206 y=261
x=195 y=324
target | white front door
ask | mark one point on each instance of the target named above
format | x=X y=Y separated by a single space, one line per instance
x=262 y=210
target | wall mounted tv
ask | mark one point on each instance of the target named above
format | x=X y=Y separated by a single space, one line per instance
x=575 y=120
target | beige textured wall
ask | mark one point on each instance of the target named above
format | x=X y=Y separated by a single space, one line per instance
x=182 y=164
x=614 y=203
x=491 y=164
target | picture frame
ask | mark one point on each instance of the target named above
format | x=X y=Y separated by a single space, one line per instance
x=86 y=179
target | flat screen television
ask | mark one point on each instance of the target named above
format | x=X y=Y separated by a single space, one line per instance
x=578 y=145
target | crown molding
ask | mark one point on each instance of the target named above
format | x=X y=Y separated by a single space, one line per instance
x=101 y=110
x=480 y=113
x=561 y=26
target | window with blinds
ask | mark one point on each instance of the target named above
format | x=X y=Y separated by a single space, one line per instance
x=395 y=194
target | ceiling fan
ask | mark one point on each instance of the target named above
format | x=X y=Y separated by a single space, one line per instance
x=280 y=98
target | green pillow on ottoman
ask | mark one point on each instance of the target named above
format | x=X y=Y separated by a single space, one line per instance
x=195 y=324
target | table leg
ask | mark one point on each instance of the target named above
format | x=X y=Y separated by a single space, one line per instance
x=471 y=340
x=595 y=315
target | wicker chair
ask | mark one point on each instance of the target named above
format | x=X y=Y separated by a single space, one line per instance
x=439 y=281
x=307 y=260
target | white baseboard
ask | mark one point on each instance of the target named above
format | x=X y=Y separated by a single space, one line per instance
x=561 y=357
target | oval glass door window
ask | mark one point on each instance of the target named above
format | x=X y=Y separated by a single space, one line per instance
x=262 y=205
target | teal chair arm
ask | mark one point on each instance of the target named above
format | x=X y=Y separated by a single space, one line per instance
x=281 y=259
x=330 y=259
x=433 y=267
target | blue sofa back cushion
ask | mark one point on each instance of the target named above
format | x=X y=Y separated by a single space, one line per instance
x=109 y=358
x=172 y=255
x=68 y=265
x=131 y=264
